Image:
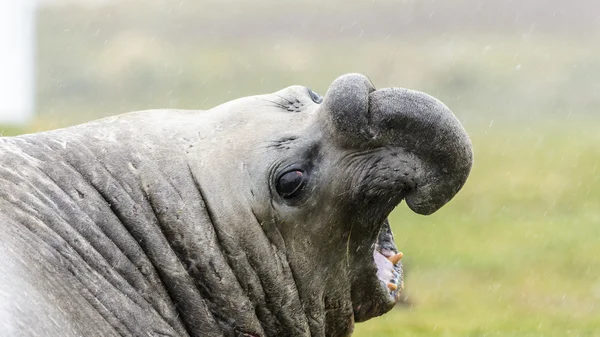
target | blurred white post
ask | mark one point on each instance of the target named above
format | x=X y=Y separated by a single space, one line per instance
x=16 y=61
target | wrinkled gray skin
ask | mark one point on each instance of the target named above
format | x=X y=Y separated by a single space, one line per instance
x=169 y=223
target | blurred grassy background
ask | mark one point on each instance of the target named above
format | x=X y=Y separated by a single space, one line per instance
x=517 y=253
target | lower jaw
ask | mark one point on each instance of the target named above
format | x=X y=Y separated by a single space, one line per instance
x=383 y=283
x=372 y=308
x=374 y=301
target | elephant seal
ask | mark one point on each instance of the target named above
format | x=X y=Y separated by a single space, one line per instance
x=264 y=216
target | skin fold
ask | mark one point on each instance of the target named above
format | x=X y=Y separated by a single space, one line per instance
x=259 y=217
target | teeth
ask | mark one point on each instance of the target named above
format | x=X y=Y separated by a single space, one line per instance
x=392 y=286
x=395 y=258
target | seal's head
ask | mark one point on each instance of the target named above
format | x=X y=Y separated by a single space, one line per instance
x=319 y=176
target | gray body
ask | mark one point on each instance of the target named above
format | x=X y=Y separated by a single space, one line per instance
x=169 y=223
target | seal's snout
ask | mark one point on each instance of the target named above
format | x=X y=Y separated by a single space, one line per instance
x=432 y=138
x=426 y=129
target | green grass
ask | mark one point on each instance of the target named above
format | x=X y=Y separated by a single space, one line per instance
x=517 y=252
x=11 y=130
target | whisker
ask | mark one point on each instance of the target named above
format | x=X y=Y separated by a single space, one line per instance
x=283 y=98
x=279 y=105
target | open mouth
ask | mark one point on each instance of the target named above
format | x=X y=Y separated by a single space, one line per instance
x=379 y=286
x=387 y=260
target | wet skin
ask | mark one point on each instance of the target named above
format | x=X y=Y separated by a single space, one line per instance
x=264 y=216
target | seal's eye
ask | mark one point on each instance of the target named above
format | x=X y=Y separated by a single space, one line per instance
x=290 y=183
x=315 y=97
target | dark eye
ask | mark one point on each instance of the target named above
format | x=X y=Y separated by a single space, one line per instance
x=290 y=183
x=315 y=97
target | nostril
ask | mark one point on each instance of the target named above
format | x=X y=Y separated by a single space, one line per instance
x=314 y=96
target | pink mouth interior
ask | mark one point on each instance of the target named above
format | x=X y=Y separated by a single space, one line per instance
x=389 y=274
